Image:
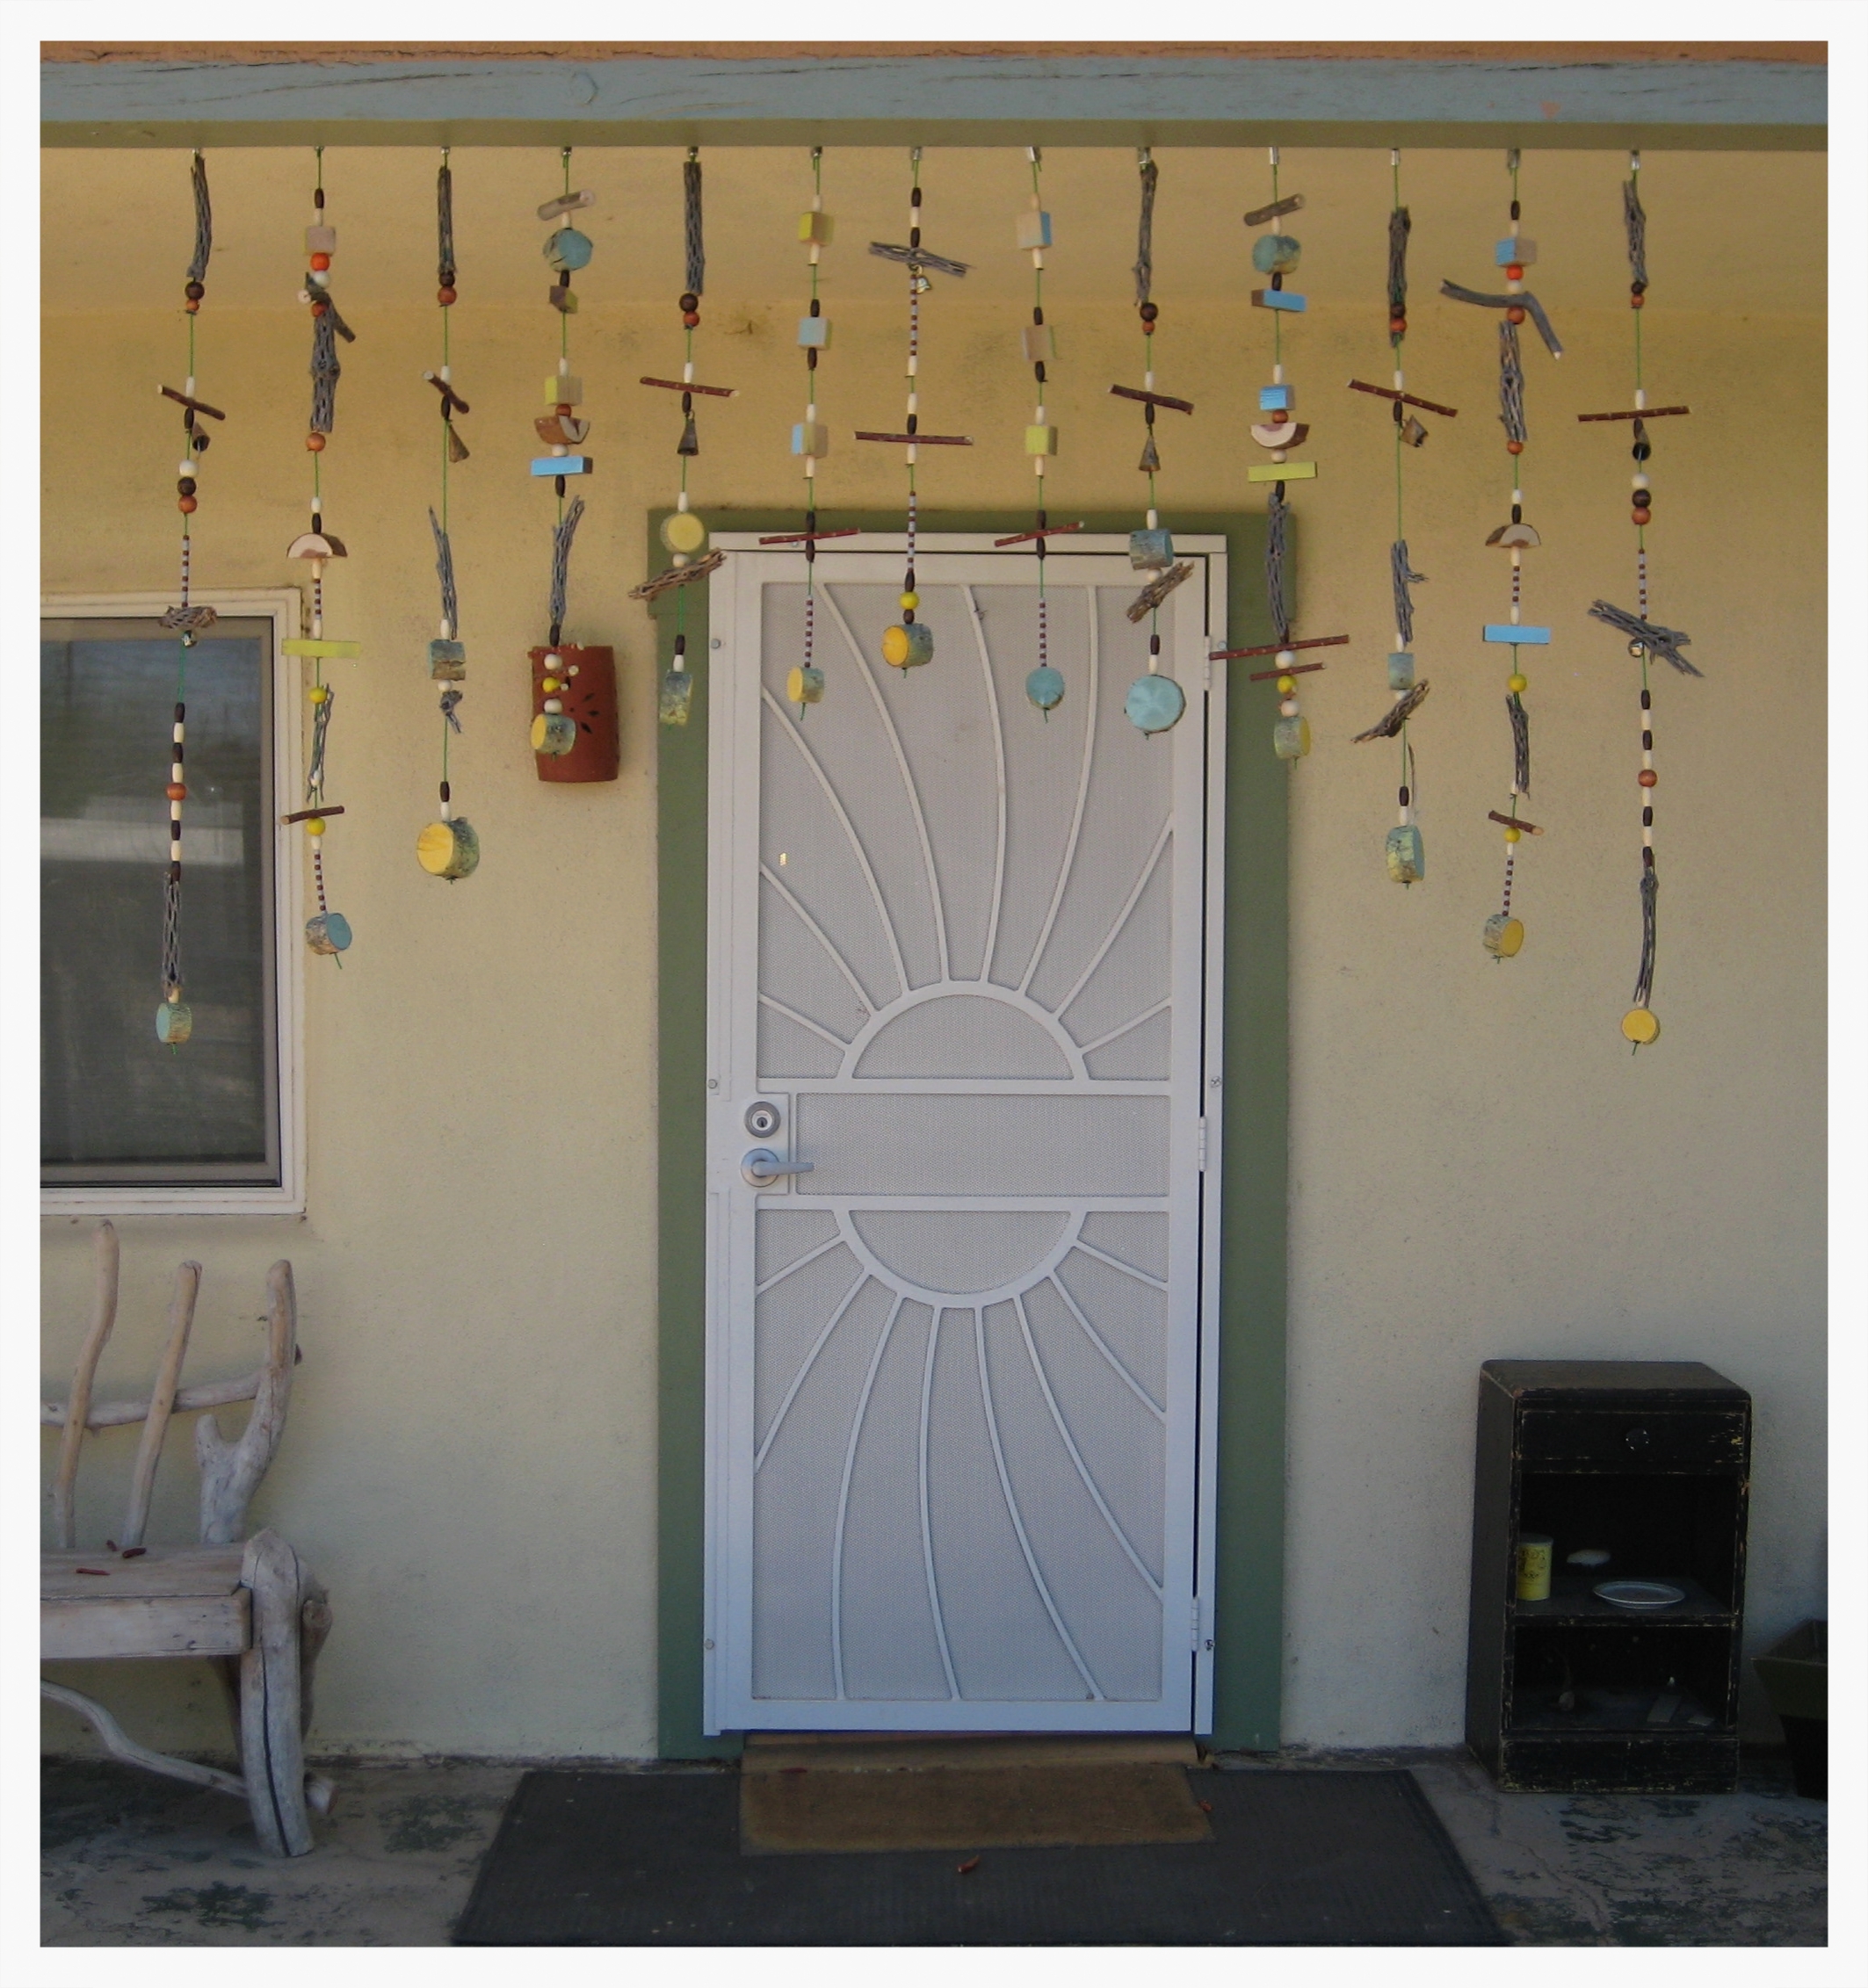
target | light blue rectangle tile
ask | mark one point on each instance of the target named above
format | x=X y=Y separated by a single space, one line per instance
x=1512 y=631
x=561 y=465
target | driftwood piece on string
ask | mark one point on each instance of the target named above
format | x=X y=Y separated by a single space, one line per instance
x=679 y=576
x=250 y=1605
x=1156 y=591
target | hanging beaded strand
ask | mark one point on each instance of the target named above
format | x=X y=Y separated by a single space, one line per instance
x=447 y=847
x=910 y=643
x=1503 y=934
x=1640 y=1025
x=804 y=685
x=1276 y=430
x=327 y=932
x=1155 y=702
x=1045 y=686
x=174 y=1018
x=1403 y=850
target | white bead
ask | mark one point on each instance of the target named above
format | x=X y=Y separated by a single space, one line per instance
x=1148 y=381
x=184 y=469
x=1154 y=521
x=574 y=669
x=1288 y=708
x=552 y=706
x=1286 y=658
x=1641 y=480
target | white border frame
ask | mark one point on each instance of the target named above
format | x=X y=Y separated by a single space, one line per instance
x=284 y=607
x=732 y=944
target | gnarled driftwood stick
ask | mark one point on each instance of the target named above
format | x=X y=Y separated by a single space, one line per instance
x=119 y=1744
x=230 y=1472
x=103 y=1317
x=161 y=1402
x=207 y=1394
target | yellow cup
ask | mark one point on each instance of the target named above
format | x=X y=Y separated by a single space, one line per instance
x=1533 y=1566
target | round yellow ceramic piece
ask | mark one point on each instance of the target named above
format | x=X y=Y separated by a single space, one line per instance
x=1285 y=685
x=1518 y=683
x=1513 y=835
x=907 y=645
x=1640 y=1025
x=910 y=600
x=683 y=532
x=316 y=825
x=1503 y=936
x=318 y=693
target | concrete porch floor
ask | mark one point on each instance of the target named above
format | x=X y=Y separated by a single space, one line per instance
x=129 y=1859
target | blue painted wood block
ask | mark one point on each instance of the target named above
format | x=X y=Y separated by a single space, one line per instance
x=1520 y=249
x=1280 y=301
x=563 y=465
x=1034 y=230
x=1270 y=398
x=1511 y=632
x=814 y=331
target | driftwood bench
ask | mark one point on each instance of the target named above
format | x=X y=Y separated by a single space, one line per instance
x=249 y=1604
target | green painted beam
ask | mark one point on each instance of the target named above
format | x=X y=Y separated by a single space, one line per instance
x=1248 y=1637
x=979 y=100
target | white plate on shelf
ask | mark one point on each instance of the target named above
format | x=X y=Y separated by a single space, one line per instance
x=1638 y=1593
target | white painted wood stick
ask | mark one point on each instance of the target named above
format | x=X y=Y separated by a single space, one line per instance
x=161 y=1402
x=230 y=1472
x=103 y=1317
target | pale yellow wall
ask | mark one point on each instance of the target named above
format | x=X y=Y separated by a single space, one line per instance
x=1478 y=1166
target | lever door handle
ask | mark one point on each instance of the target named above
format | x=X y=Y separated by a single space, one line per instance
x=762 y=1166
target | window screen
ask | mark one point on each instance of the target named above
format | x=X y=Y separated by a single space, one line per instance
x=117 y=1106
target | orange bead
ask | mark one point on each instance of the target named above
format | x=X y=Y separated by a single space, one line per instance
x=1642 y=517
x=319 y=309
x=1650 y=778
x=1397 y=326
x=185 y=504
x=445 y=293
x=315 y=441
x=191 y=304
x=320 y=262
x=690 y=318
x=175 y=790
x=1514 y=448
x=1636 y=300
x=1516 y=315
x=1514 y=272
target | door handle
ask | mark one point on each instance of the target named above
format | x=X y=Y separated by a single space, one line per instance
x=762 y=1166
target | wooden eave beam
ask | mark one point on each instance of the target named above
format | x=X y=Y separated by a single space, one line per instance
x=1567 y=96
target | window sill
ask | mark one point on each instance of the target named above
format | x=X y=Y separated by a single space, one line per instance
x=113 y=1201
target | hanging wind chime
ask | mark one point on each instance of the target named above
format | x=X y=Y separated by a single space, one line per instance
x=447 y=848
x=1277 y=430
x=1155 y=702
x=683 y=532
x=1045 y=686
x=1646 y=639
x=574 y=725
x=1514 y=254
x=910 y=642
x=326 y=931
x=1405 y=855
x=804 y=685
x=174 y=1018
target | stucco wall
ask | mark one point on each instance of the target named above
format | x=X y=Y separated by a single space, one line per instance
x=1480 y=1167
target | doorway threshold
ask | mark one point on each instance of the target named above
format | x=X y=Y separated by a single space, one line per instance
x=778 y=1752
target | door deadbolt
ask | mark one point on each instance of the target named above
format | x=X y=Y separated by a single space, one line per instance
x=762 y=1119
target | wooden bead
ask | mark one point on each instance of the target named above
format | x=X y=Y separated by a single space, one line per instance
x=315 y=441
x=690 y=318
x=1397 y=326
x=192 y=305
x=320 y=262
x=194 y=293
x=1516 y=315
x=1650 y=778
x=689 y=302
x=319 y=308
x=1635 y=301
x=185 y=504
x=1514 y=448
x=1514 y=272
x=1642 y=515
x=445 y=293
x=175 y=790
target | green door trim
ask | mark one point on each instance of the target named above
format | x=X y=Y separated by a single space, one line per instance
x=1249 y=1615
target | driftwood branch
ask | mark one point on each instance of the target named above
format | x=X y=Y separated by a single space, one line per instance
x=119 y=1744
x=103 y=1317
x=162 y=1403
x=188 y=1401
x=230 y=1472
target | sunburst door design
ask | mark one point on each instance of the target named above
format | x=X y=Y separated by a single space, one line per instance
x=957 y=955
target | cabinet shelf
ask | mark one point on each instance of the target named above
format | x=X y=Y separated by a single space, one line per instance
x=1572 y=1599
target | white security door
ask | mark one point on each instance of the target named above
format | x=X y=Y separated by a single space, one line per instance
x=958 y=970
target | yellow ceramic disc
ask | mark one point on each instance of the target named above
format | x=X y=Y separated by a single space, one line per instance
x=683 y=532
x=539 y=730
x=434 y=847
x=1640 y=1025
x=1503 y=937
x=894 y=646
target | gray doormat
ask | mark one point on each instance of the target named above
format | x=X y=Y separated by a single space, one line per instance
x=1298 y=1859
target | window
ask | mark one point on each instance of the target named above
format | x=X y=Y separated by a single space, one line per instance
x=128 y=1122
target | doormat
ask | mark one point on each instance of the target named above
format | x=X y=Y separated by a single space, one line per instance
x=1297 y=1858
x=967 y=1808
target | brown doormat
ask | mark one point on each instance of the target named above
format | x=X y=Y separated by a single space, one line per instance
x=967 y=1808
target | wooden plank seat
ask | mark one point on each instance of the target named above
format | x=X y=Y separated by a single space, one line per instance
x=250 y=1605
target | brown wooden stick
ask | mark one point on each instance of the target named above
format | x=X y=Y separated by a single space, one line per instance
x=1271 y=649
x=691 y=386
x=77 y=1409
x=946 y=441
x=1296 y=669
x=1407 y=399
x=1509 y=821
x=1634 y=413
x=810 y=538
x=1153 y=399
x=193 y=406
x=307 y=814
x=450 y=399
x=1049 y=532
x=161 y=1402
x=1289 y=205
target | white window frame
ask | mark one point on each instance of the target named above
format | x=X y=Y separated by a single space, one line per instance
x=283 y=606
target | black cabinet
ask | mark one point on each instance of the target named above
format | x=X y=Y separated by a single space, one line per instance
x=1646 y=1461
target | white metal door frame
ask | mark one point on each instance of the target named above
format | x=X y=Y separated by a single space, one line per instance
x=1198 y=796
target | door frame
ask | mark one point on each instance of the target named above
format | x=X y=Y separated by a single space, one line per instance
x=1246 y=1538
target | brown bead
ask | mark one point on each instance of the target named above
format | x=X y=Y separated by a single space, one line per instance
x=1397 y=325
x=1514 y=448
x=689 y=302
x=319 y=308
x=690 y=318
x=1516 y=315
x=315 y=441
x=445 y=293
x=1635 y=301
x=1642 y=517
x=1650 y=778
x=175 y=790
x=194 y=290
x=185 y=504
